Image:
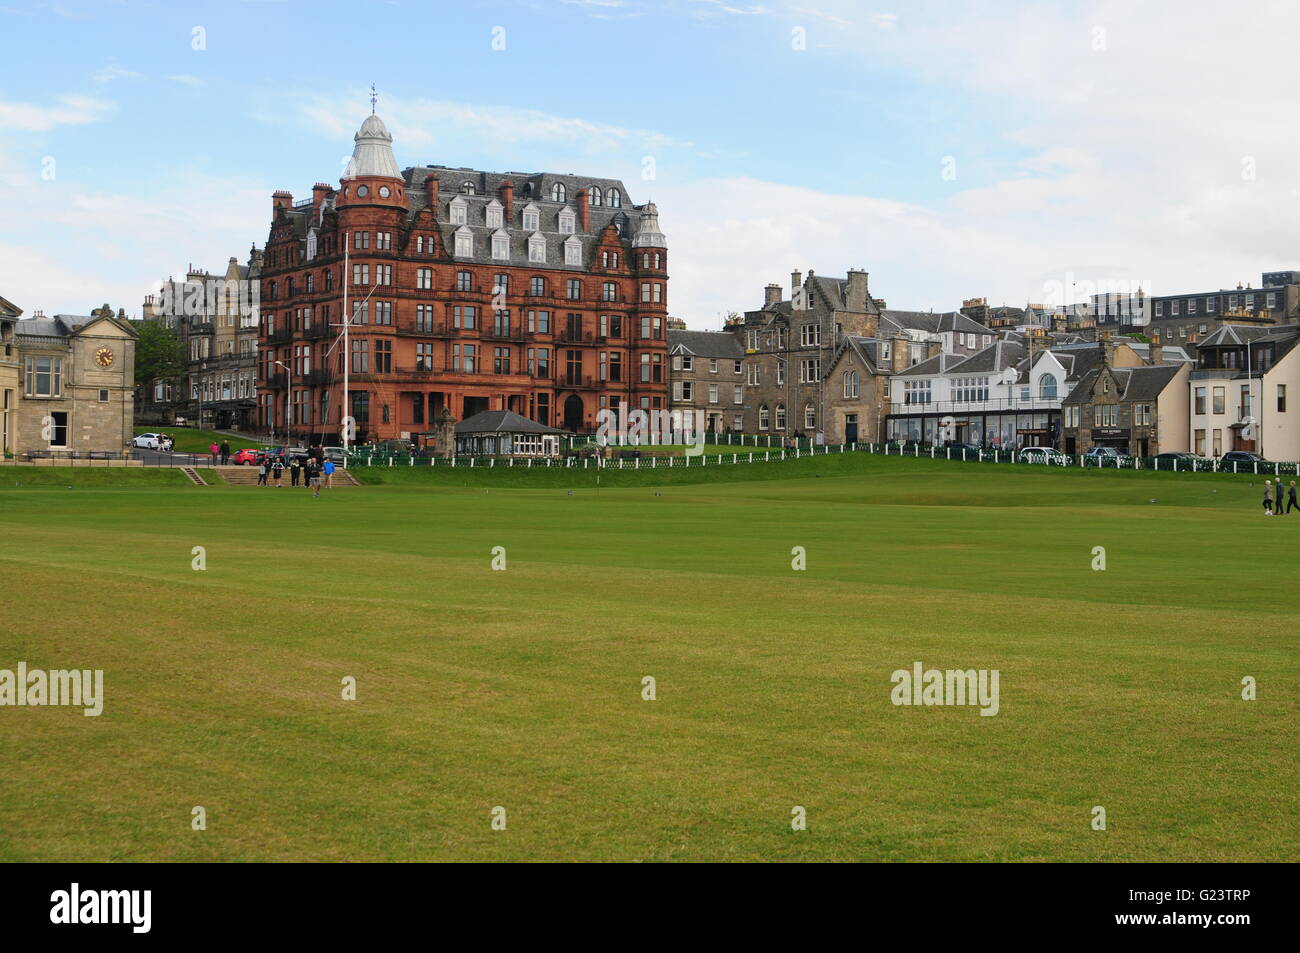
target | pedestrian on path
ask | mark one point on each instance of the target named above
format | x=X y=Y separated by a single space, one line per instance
x=313 y=476
x=329 y=473
x=263 y=465
x=225 y=452
x=1290 y=498
x=1268 y=498
x=215 y=451
x=277 y=470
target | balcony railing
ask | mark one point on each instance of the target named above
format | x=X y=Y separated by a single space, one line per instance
x=276 y=381
x=993 y=405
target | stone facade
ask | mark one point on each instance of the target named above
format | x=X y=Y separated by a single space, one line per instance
x=10 y=378
x=707 y=377
x=1140 y=411
x=76 y=389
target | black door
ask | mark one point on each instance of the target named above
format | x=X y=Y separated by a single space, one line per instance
x=573 y=413
x=851 y=428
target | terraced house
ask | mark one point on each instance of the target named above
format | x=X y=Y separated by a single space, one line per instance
x=1243 y=391
x=708 y=377
x=538 y=293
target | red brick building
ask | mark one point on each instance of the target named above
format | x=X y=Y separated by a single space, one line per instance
x=542 y=294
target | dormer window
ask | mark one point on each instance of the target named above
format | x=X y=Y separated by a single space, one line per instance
x=494 y=212
x=597 y=197
x=567 y=221
x=532 y=219
x=464 y=243
x=573 y=251
x=558 y=192
x=501 y=246
x=615 y=201
x=537 y=248
x=467 y=188
x=458 y=210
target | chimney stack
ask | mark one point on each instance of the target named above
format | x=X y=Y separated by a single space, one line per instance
x=901 y=354
x=855 y=291
x=584 y=210
x=318 y=193
x=796 y=281
x=771 y=295
x=280 y=199
x=508 y=201
x=431 y=186
x=1157 y=352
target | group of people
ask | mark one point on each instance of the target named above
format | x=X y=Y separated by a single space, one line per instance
x=310 y=472
x=1273 y=505
x=220 y=453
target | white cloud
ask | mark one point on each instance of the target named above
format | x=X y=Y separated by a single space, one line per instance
x=71 y=111
x=112 y=72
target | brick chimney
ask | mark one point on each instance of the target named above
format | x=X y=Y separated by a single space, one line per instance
x=508 y=200
x=584 y=210
x=771 y=294
x=279 y=200
x=431 y=186
x=318 y=193
x=933 y=349
x=1157 y=351
x=855 y=291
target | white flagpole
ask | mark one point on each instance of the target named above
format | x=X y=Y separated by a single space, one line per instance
x=347 y=357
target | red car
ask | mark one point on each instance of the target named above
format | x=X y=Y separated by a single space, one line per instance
x=244 y=457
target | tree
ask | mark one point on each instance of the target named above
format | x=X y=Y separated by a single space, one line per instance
x=159 y=354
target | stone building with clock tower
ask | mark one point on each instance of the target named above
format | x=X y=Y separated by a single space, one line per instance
x=538 y=293
x=76 y=381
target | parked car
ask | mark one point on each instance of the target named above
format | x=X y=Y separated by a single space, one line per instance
x=1044 y=455
x=1104 y=457
x=959 y=447
x=1184 y=461
x=246 y=457
x=147 y=441
x=337 y=454
x=1246 y=457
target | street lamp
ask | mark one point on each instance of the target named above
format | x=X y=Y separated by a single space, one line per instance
x=288 y=393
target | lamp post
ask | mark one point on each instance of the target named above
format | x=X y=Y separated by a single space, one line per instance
x=288 y=393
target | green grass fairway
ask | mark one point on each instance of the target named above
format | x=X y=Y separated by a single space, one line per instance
x=523 y=688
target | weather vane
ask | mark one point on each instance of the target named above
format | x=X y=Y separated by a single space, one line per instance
x=373 y=99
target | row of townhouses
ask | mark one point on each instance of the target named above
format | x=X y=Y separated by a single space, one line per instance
x=404 y=296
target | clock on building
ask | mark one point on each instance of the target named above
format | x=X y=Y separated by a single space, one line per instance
x=104 y=357
x=384 y=192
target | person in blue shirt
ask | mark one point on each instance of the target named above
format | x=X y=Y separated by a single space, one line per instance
x=329 y=473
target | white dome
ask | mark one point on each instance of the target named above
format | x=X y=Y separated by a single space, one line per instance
x=373 y=152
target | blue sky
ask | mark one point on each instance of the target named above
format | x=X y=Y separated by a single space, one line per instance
x=783 y=135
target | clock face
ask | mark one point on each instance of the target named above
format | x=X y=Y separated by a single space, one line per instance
x=383 y=192
x=104 y=357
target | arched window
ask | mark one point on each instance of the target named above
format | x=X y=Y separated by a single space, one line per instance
x=809 y=417
x=615 y=199
x=596 y=195
x=850 y=383
x=780 y=416
x=558 y=192
x=1047 y=387
x=762 y=417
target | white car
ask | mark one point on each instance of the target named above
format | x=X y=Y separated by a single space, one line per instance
x=147 y=441
x=1043 y=455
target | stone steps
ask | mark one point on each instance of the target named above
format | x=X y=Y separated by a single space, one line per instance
x=247 y=476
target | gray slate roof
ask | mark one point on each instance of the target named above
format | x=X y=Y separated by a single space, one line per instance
x=501 y=421
x=1135 y=383
x=722 y=344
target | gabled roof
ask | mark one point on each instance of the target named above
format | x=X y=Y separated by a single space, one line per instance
x=8 y=309
x=501 y=421
x=866 y=349
x=932 y=322
x=998 y=356
x=705 y=344
x=1134 y=383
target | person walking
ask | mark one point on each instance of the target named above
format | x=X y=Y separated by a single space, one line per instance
x=295 y=471
x=277 y=470
x=1268 y=498
x=215 y=451
x=313 y=476
x=225 y=452
x=263 y=464
x=1278 y=503
x=329 y=473
x=1290 y=498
